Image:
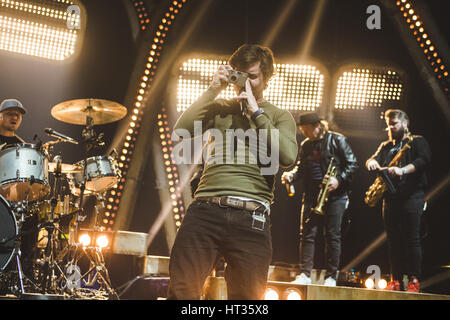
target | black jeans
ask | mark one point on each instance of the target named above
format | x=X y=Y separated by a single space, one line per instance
x=208 y=231
x=402 y=224
x=313 y=223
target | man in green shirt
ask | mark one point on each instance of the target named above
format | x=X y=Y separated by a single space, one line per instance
x=249 y=139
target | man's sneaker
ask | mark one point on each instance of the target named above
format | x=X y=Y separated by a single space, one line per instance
x=302 y=279
x=393 y=286
x=330 y=282
x=413 y=285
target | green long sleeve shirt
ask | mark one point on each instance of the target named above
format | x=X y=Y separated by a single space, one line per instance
x=226 y=172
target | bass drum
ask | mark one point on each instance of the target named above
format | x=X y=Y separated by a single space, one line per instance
x=8 y=229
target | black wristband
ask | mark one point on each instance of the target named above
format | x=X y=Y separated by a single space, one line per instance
x=257 y=113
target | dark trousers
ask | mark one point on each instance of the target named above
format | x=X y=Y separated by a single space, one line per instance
x=402 y=224
x=209 y=231
x=312 y=224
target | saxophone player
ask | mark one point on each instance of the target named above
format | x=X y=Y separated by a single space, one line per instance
x=403 y=209
x=319 y=147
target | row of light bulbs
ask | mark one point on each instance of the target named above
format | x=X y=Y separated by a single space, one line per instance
x=424 y=40
x=35 y=39
x=144 y=85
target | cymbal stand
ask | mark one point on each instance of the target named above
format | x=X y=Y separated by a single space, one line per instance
x=94 y=254
x=50 y=266
x=20 y=209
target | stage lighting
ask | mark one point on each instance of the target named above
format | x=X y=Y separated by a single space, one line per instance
x=369 y=283
x=362 y=96
x=102 y=241
x=95 y=238
x=292 y=294
x=293 y=87
x=271 y=294
x=84 y=239
x=50 y=29
x=382 y=284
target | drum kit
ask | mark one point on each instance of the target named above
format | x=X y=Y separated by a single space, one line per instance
x=27 y=193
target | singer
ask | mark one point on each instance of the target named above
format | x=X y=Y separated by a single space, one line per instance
x=229 y=216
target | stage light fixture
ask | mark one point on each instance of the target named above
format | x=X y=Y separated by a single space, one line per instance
x=51 y=29
x=143 y=87
x=369 y=283
x=293 y=87
x=84 y=239
x=292 y=294
x=382 y=284
x=363 y=94
x=102 y=241
x=271 y=294
x=430 y=50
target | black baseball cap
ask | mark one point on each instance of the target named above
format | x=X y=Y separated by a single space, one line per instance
x=308 y=118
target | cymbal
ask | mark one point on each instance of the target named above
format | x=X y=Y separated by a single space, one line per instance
x=65 y=167
x=76 y=111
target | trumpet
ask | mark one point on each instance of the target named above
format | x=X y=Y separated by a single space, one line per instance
x=323 y=193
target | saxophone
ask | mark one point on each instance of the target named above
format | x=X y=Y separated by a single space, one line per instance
x=379 y=187
x=323 y=193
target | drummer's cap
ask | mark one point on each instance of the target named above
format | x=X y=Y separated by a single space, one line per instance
x=12 y=104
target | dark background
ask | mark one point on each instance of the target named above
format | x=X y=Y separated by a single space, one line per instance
x=109 y=53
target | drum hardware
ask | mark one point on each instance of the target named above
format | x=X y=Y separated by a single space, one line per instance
x=58 y=262
x=90 y=249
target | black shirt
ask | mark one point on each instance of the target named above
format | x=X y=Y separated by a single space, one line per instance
x=9 y=140
x=419 y=155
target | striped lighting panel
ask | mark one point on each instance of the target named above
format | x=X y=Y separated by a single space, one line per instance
x=293 y=87
x=49 y=29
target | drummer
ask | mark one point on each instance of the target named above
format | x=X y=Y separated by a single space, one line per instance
x=11 y=112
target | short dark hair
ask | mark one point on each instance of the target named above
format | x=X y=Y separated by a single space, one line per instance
x=248 y=54
x=396 y=113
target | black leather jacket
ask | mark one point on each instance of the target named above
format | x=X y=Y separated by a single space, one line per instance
x=333 y=145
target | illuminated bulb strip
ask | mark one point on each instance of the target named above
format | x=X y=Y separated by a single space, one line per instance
x=171 y=169
x=37 y=9
x=361 y=88
x=424 y=41
x=144 y=85
x=294 y=87
x=144 y=20
x=36 y=39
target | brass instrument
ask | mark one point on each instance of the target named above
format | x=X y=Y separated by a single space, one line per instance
x=323 y=193
x=379 y=187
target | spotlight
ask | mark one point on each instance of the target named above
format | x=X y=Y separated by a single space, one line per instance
x=292 y=294
x=271 y=294
x=102 y=241
x=369 y=283
x=84 y=239
x=382 y=284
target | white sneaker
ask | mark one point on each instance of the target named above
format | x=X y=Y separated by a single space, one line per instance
x=302 y=279
x=330 y=282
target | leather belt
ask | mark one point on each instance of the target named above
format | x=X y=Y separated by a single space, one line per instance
x=248 y=205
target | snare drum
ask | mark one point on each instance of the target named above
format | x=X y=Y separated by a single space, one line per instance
x=101 y=174
x=23 y=173
x=8 y=229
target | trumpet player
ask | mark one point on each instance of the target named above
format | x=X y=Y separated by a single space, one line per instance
x=316 y=151
x=403 y=209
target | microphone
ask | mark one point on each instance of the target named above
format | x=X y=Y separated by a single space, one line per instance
x=58 y=135
x=243 y=103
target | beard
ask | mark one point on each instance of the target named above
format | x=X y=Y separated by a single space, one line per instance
x=397 y=135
